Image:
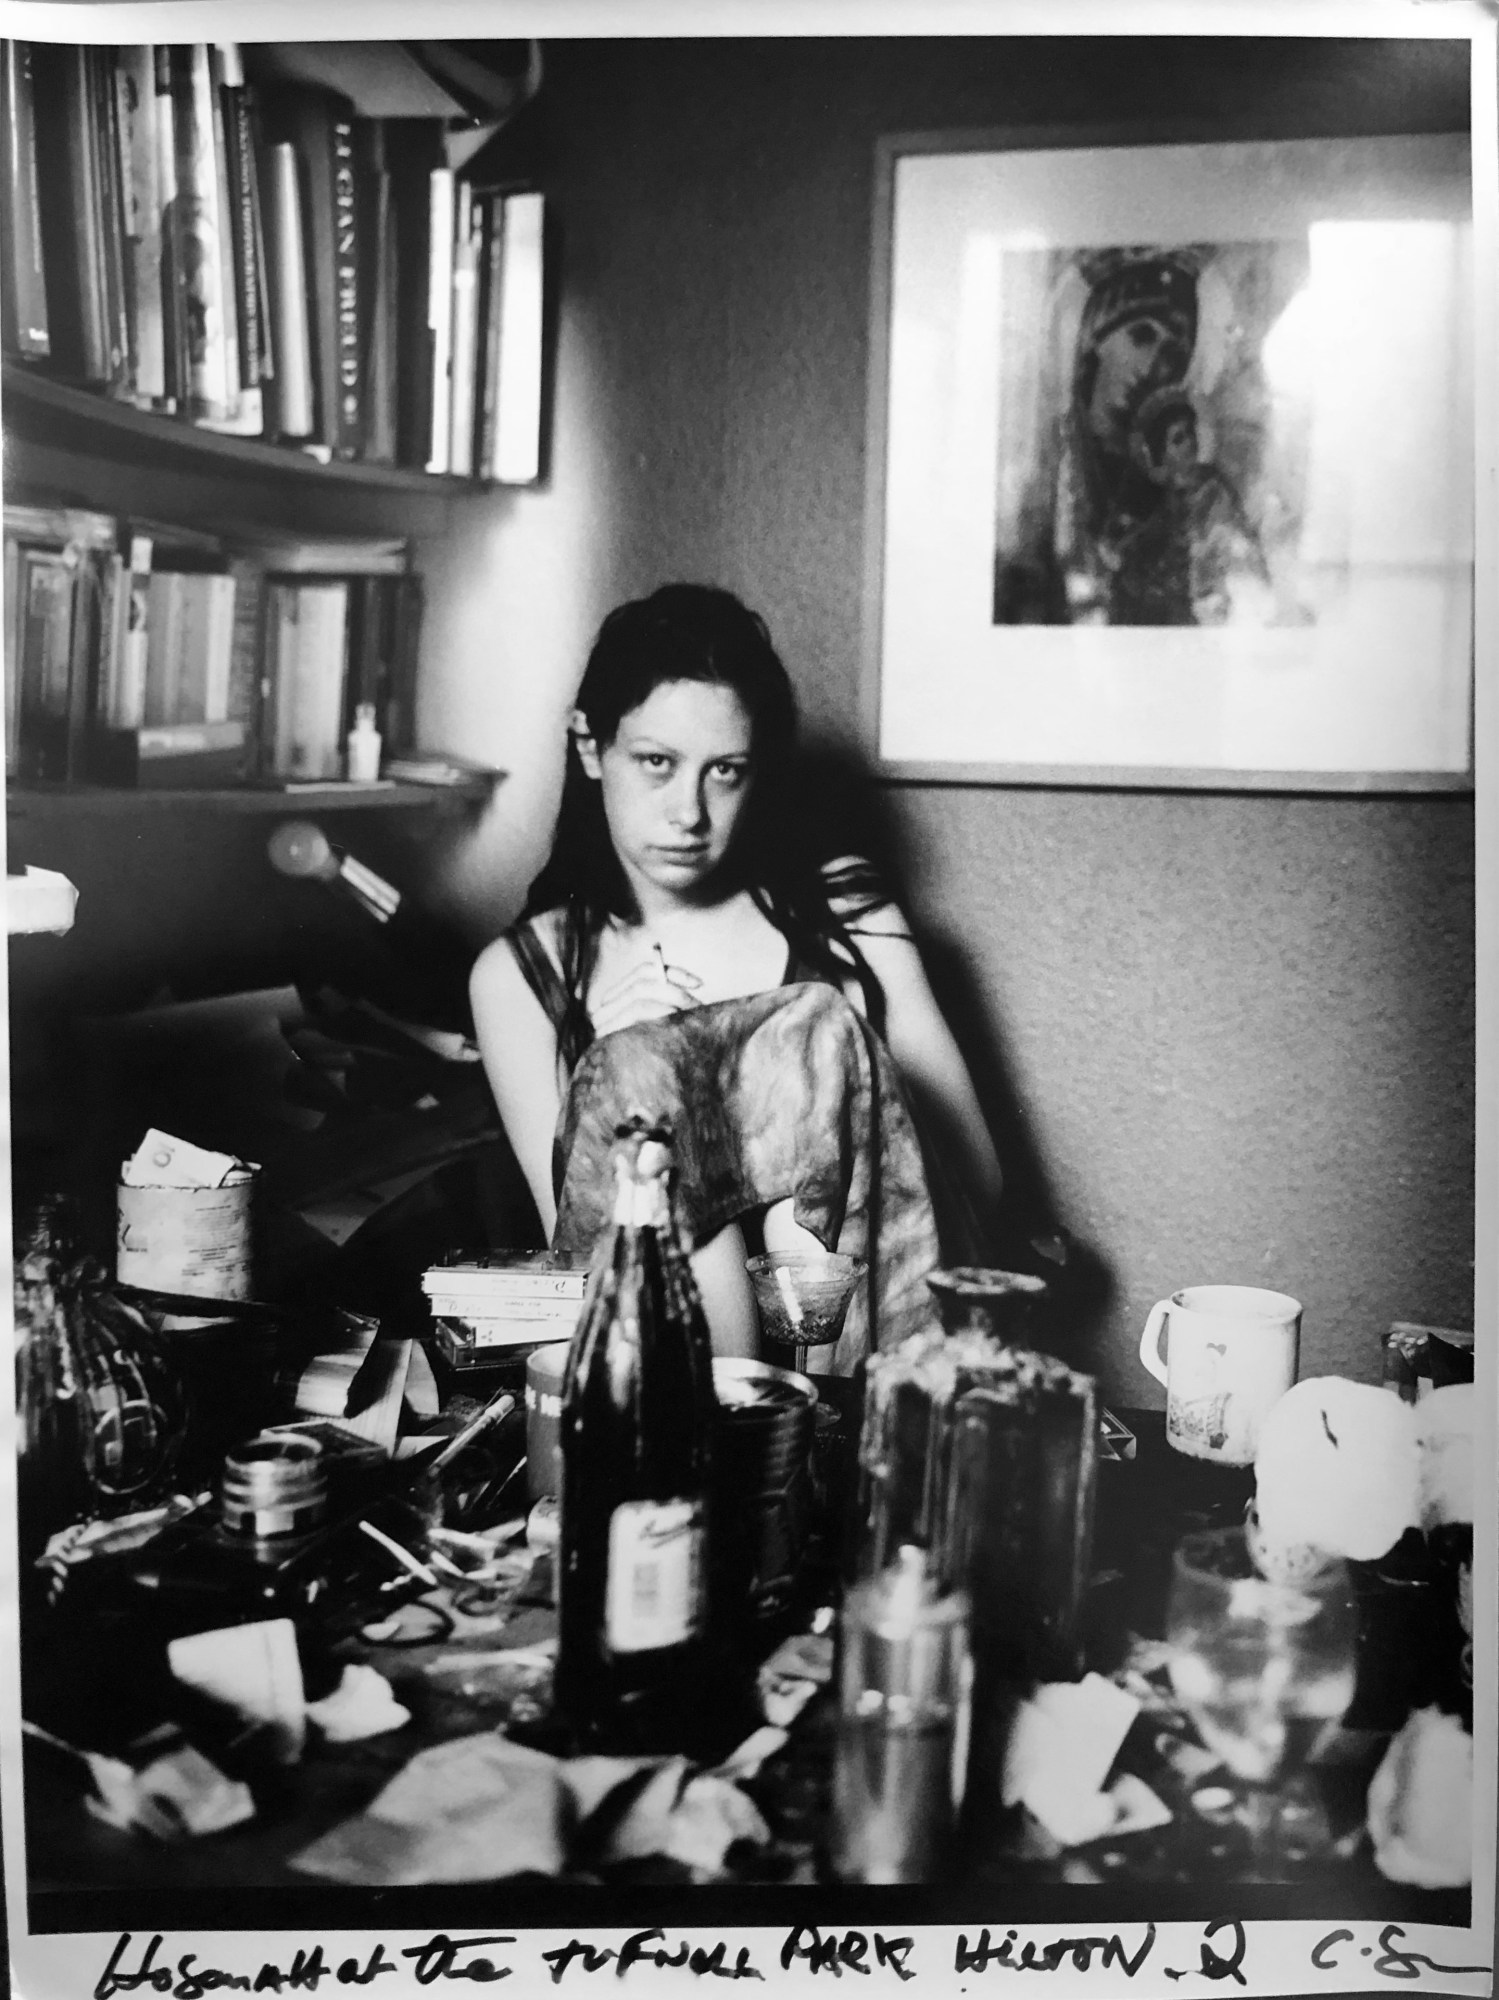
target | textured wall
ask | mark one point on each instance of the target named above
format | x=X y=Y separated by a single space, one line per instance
x=1221 y=1037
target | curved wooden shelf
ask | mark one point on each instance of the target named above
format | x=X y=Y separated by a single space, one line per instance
x=60 y=414
x=77 y=801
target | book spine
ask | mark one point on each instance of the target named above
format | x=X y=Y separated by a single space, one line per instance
x=108 y=195
x=465 y=312
x=286 y=261
x=244 y=408
x=219 y=648
x=45 y=598
x=23 y=295
x=310 y=668
x=10 y=610
x=175 y=339
x=113 y=623
x=348 y=329
x=399 y=721
x=245 y=646
x=135 y=91
x=440 y=317
x=517 y=459
x=129 y=709
x=159 y=705
x=412 y=147
x=379 y=290
x=69 y=211
x=490 y=321
x=84 y=659
x=201 y=231
x=244 y=233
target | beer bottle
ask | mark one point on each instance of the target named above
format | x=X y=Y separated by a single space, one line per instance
x=637 y=1426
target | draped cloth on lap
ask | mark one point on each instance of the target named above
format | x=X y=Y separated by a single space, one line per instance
x=787 y=1094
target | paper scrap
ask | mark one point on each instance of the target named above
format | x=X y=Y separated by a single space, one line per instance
x=470 y=1810
x=361 y=1705
x=162 y=1161
x=40 y=900
x=1064 y=1739
x=256 y=1671
x=178 y=1795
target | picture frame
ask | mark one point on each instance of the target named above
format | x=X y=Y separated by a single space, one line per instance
x=1161 y=491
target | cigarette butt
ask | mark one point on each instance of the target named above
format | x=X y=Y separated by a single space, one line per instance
x=403 y=1556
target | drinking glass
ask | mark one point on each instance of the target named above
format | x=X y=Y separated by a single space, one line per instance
x=802 y=1297
x=1262 y=1668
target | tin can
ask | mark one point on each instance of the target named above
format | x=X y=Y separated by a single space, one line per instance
x=903 y=1707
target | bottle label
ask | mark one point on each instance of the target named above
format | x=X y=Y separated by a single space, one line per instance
x=655 y=1594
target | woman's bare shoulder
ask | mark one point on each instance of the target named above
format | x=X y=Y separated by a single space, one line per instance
x=500 y=966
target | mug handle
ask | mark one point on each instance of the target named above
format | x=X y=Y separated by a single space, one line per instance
x=1150 y=1340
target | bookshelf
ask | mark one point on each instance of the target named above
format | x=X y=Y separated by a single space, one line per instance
x=46 y=804
x=37 y=409
x=267 y=292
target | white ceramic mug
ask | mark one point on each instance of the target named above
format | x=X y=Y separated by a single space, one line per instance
x=1231 y=1353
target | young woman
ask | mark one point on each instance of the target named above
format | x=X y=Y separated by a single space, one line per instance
x=681 y=879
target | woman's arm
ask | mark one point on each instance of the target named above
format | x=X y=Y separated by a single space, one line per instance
x=926 y=1053
x=519 y=1047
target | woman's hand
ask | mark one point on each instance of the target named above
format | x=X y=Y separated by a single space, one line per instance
x=651 y=990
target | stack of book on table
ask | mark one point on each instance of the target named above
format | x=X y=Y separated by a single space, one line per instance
x=222 y=234
x=508 y=1299
x=143 y=654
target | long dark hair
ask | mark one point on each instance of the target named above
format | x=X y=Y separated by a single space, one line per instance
x=695 y=632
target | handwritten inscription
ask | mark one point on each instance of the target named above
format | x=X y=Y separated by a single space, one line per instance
x=1033 y=1957
x=1388 y=1960
x=642 y=1948
x=440 y=1957
x=145 y=1967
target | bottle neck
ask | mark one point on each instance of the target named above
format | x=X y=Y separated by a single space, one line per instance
x=640 y=1202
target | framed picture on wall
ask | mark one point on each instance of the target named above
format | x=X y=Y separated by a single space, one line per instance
x=1171 y=464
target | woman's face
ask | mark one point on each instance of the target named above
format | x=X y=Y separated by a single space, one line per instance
x=675 y=782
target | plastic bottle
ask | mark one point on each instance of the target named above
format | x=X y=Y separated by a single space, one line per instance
x=363 y=761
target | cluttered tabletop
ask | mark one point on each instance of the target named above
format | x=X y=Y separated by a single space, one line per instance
x=947 y=1621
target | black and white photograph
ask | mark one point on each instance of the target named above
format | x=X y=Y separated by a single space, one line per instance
x=748 y=779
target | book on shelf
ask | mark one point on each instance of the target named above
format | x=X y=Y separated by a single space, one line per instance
x=58 y=561
x=292 y=407
x=138 y=128
x=516 y=456
x=23 y=280
x=379 y=292
x=464 y=318
x=211 y=362
x=182 y=755
x=234 y=134
x=318 y=125
x=443 y=198
x=303 y=678
x=71 y=209
x=412 y=149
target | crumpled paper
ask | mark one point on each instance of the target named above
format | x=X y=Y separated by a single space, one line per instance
x=174 y=1797
x=481 y=1807
x=1421 y=1804
x=361 y=1705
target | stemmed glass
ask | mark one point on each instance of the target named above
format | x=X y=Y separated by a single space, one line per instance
x=1262 y=1668
x=802 y=1298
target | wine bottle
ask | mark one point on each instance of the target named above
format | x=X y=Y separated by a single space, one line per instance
x=637 y=1428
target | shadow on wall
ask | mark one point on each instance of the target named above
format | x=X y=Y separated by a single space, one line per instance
x=849 y=813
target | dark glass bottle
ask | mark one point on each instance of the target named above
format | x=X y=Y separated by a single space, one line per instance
x=637 y=1430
